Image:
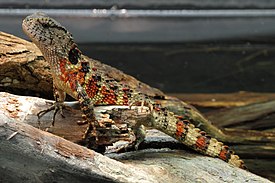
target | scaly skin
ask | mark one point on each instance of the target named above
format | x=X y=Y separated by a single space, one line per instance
x=83 y=79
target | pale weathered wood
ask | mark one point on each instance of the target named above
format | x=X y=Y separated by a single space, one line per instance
x=32 y=155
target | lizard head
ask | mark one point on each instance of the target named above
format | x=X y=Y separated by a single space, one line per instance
x=51 y=38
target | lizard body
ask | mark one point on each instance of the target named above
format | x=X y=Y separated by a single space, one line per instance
x=90 y=84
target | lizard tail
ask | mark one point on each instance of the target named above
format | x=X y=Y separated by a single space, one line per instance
x=181 y=129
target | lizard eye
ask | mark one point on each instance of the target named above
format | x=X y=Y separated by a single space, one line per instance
x=74 y=55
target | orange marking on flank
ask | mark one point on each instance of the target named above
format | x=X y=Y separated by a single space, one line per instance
x=62 y=66
x=81 y=77
x=91 y=88
x=73 y=78
x=223 y=154
x=110 y=97
x=180 y=128
x=201 y=142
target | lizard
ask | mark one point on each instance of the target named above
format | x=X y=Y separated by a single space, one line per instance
x=83 y=79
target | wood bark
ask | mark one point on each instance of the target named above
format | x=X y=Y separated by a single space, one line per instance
x=48 y=158
x=33 y=155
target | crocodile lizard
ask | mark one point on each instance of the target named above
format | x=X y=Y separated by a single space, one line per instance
x=82 y=78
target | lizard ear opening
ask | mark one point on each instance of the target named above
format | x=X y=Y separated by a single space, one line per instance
x=74 y=55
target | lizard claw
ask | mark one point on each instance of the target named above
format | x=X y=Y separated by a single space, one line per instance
x=57 y=106
x=82 y=122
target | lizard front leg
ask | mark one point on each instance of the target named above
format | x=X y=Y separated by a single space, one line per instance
x=87 y=108
x=58 y=105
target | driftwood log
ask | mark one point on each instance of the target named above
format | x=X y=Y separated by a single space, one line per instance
x=33 y=155
x=24 y=71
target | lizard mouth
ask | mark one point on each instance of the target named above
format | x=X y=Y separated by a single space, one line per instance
x=30 y=20
x=32 y=26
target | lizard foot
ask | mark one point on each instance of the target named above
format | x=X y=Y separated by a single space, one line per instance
x=56 y=106
x=91 y=129
x=90 y=137
x=139 y=134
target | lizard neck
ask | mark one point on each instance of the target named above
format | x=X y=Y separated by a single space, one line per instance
x=63 y=72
